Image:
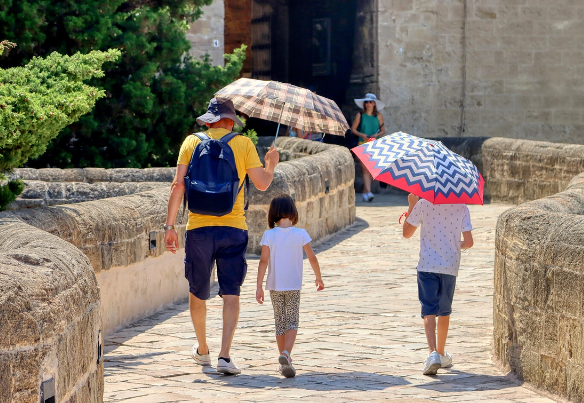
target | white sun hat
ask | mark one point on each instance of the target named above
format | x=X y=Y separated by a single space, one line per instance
x=370 y=97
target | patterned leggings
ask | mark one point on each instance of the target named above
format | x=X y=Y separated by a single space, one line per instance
x=286 y=310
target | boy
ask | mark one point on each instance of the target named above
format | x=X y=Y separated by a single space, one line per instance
x=440 y=247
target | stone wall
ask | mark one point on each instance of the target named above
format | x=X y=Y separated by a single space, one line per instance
x=123 y=239
x=515 y=171
x=477 y=68
x=53 y=186
x=539 y=291
x=49 y=317
x=207 y=34
x=321 y=184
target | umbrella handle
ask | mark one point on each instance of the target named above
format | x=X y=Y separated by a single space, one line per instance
x=278 y=129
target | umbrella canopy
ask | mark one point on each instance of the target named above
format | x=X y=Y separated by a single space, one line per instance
x=423 y=167
x=287 y=104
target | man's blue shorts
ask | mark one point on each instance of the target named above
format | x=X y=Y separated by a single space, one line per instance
x=206 y=245
x=436 y=291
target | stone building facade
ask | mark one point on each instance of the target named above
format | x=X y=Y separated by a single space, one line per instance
x=511 y=68
x=207 y=34
x=445 y=68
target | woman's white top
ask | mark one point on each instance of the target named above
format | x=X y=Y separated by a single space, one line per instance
x=286 y=255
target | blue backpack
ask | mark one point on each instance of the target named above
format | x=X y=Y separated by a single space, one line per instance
x=212 y=181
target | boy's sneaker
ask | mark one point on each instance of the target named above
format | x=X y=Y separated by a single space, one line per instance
x=201 y=359
x=445 y=360
x=371 y=196
x=432 y=364
x=366 y=197
x=227 y=367
x=286 y=365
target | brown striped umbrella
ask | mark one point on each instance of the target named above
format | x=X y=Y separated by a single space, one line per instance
x=286 y=104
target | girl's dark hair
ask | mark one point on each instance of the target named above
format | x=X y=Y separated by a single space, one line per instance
x=282 y=206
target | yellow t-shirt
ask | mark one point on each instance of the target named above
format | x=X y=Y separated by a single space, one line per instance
x=246 y=157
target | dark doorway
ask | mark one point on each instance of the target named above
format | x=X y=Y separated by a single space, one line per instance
x=309 y=44
x=321 y=46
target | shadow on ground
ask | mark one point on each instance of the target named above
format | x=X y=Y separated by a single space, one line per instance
x=121 y=336
x=358 y=381
x=460 y=381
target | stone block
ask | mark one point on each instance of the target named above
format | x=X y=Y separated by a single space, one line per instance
x=550 y=345
x=553 y=375
x=530 y=366
x=567 y=117
x=575 y=382
x=567 y=292
x=571 y=340
x=257 y=220
x=527 y=327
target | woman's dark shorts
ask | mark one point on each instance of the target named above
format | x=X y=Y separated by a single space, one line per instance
x=436 y=291
x=207 y=245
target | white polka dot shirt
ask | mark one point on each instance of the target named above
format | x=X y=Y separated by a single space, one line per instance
x=442 y=226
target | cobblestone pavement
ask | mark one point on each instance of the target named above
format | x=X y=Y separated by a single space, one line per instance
x=361 y=339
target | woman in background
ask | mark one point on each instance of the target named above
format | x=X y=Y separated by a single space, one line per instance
x=368 y=124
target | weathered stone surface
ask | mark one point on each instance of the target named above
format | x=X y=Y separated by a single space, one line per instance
x=111 y=232
x=94 y=175
x=49 y=314
x=41 y=194
x=539 y=277
x=497 y=68
x=521 y=170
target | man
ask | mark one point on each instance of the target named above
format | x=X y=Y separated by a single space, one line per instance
x=211 y=239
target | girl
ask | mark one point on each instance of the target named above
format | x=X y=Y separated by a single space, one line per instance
x=368 y=124
x=282 y=247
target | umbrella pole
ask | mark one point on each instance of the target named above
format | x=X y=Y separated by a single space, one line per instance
x=278 y=129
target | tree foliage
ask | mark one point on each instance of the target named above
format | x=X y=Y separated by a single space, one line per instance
x=152 y=96
x=40 y=99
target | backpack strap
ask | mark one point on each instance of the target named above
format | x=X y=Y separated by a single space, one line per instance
x=202 y=136
x=246 y=194
x=226 y=139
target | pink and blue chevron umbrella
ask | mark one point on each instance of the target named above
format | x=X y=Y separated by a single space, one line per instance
x=423 y=167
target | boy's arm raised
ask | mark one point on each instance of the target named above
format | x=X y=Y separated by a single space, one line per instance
x=409 y=229
x=315 y=266
x=467 y=241
x=264 y=258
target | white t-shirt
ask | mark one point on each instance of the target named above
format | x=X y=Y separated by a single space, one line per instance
x=285 y=265
x=442 y=225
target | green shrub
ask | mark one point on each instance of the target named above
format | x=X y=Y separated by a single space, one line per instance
x=40 y=99
x=251 y=133
x=9 y=192
x=37 y=101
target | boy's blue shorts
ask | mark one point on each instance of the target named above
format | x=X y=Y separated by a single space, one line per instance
x=207 y=245
x=436 y=291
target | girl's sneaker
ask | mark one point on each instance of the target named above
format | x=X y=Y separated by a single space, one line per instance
x=446 y=360
x=366 y=197
x=371 y=196
x=201 y=359
x=286 y=365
